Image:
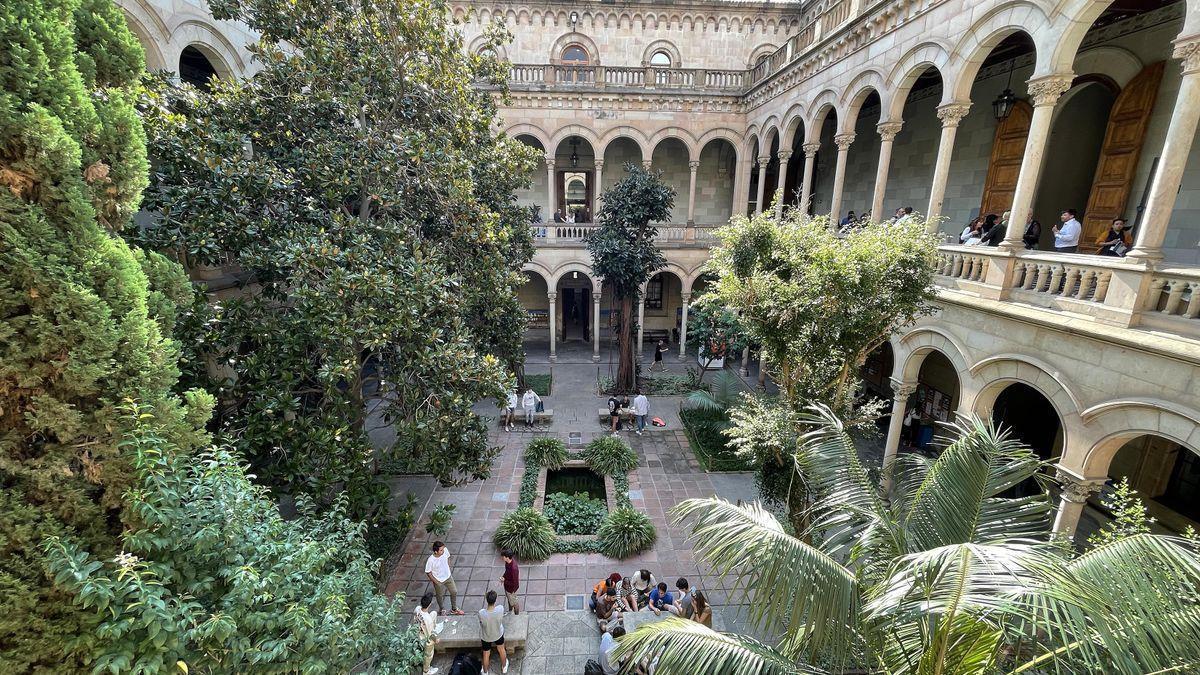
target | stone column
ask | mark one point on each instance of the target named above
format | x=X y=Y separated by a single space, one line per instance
x=810 y=159
x=887 y=134
x=641 y=300
x=1075 y=493
x=553 y=298
x=646 y=164
x=762 y=182
x=687 y=299
x=901 y=391
x=762 y=368
x=741 y=189
x=784 y=156
x=550 y=191
x=692 y=167
x=842 y=141
x=596 y=326
x=950 y=115
x=1044 y=92
x=599 y=186
x=744 y=370
x=1180 y=135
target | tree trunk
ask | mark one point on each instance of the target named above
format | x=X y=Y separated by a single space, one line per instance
x=625 y=366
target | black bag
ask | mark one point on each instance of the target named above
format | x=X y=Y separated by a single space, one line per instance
x=540 y=407
x=465 y=664
x=593 y=667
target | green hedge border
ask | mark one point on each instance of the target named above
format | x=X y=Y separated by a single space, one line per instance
x=720 y=459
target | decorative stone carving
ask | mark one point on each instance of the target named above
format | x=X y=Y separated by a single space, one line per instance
x=552 y=296
x=550 y=163
x=693 y=165
x=784 y=155
x=646 y=164
x=902 y=390
x=1077 y=490
x=888 y=130
x=843 y=141
x=953 y=113
x=1189 y=52
x=763 y=160
x=599 y=164
x=1047 y=90
x=810 y=149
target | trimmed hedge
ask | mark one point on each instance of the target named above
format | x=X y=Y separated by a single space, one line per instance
x=711 y=447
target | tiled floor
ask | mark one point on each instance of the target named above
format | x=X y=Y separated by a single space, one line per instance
x=560 y=641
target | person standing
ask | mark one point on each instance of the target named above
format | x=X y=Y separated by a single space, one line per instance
x=641 y=408
x=437 y=568
x=1116 y=242
x=510 y=410
x=426 y=620
x=659 y=350
x=1066 y=236
x=993 y=231
x=558 y=217
x=972 y=232
x=529 y=403
x=511 y=580
x=1033 y=233
x=614 y=413
x=491 y=632
x=608 y=642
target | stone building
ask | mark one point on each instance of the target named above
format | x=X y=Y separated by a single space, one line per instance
x=956 y=108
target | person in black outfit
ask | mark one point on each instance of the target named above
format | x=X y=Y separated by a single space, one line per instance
x=1117 y=241
x=993 y=232
x=659 y=350
x=1033 y=234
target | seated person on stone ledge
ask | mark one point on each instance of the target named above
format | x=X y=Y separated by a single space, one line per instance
x=643 y=581
x=661 y=599
x=608 y=605
x=601 y=588
x=683 y=599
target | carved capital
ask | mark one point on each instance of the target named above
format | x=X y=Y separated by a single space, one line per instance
x=549 y=162
x=888 y=130
x=810 y=149
x=599 y=164
x=1075 y=489
x=1047 y=90
x=596 y=297
x=1188 y=51
x=763 y=161
x=552 y=296
x=784 y=155
x=902 y=390
x=693 y=165
x=953 y=113
x=685 y=297
x=843 y=141
x=646 y=164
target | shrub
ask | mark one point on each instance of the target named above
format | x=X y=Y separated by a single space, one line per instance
x=626 y=532
x=704 y=429
x=539 y=382
x=610 y=456
x=527 y=533
x=386 y=534
x=574 y=514
x=546 y=451
x=529 y=486
x=440 y=520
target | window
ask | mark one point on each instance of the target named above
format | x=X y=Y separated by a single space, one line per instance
x=654 y=293
x=661 y=59
x=574 y=56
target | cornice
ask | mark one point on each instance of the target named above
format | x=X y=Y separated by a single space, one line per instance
x=622 y=101
x=760 y=18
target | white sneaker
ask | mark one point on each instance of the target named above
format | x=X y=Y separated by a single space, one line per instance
x=505 y=668
x=433 y=670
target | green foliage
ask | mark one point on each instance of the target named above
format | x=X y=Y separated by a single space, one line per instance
x=440 y=520
x=539 y=382
x=670 y=384
x=383 y=536
x=608 y=455
x=527 y=533
x=621 y=487
x=206 y=545
x=82 y=315
x=714 y=329
x=720 y=397
x=574 y=514
x=529 y=486
x=623 y=251
x=546 y=451
x=1129 y=516
x=578 y=546
x=705 y=429
x=626 y=532
x=385 y=268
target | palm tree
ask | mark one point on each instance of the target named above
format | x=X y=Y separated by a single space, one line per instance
x=942 y=575
x=723 y=393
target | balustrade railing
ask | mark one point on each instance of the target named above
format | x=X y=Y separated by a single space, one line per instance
x=959 y=264
x=1175 y=293
x=703 y=79
x=574 y=233
x=1062 y=278
x=624 y=76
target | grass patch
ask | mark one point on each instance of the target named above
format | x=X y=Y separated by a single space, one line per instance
x=711 y=447
x=540 y=383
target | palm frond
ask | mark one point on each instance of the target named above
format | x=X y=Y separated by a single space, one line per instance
x=791 y=584
x=702 y=400
x=681 y=647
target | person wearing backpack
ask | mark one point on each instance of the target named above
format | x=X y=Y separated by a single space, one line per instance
x=614 y=413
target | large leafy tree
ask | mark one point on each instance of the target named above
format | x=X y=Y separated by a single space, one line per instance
x=358 y=188
x=624 y=254
x=715 y=330
x=83 y=316
x=818 y=304
x=943 y=575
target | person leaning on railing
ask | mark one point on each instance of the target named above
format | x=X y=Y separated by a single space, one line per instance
x=1116 y=242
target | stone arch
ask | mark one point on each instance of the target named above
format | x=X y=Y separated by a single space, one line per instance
x=822 y=105
x=931 y=54
x=690 y=282
x=481 y=41
x=671 y=267
x=150 y=31
x=911 y=349
x=769 y=134
x=1119 y=65
x=206 y=38
x=539 y=269
x=1021 y=16
x=1028 y=370
x=575 y=38
x=856 y=94
x=682 y=135
x=793 y=122
x=630 y=133
x=1117 y=422
x=525 y=129
x=572 y=130
x=1072 y=25
x=735 y=139
x=665 y=46
x=765 y=49
x=566 y=268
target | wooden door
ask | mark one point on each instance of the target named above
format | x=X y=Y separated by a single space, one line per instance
x=1008 y=149
x=1119 y=155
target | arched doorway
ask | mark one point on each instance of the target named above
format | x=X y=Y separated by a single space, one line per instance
x=714 y=182
x=862 y=160
x=575 y=309
x=574 y=175
x=1030 y=418
x=533 y=297
x=671 y=157
x=662 y=312
x=195 y=67
x=934 y=401
x=1166 y=476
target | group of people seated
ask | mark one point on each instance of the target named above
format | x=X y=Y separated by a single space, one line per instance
x=614 y=596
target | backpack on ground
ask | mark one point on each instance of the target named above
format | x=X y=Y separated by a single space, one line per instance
x=593 y=667
x=465 y=664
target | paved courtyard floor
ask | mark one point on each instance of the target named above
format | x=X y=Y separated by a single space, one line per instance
x=562 y=635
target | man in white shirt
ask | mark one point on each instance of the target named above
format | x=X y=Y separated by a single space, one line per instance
x=608 y=642
x=1066 y=237
x=529 y=401
x=437 y=568
x=426 y=620
x=641 y=408
x=510 y=409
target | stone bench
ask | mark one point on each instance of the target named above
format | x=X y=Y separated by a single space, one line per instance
x=626 y=415
x=544 y=417
x=631 y=620
x=462 y=632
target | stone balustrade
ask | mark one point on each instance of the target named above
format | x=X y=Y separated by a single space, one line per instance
x=527 y=75
x=572 y=234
